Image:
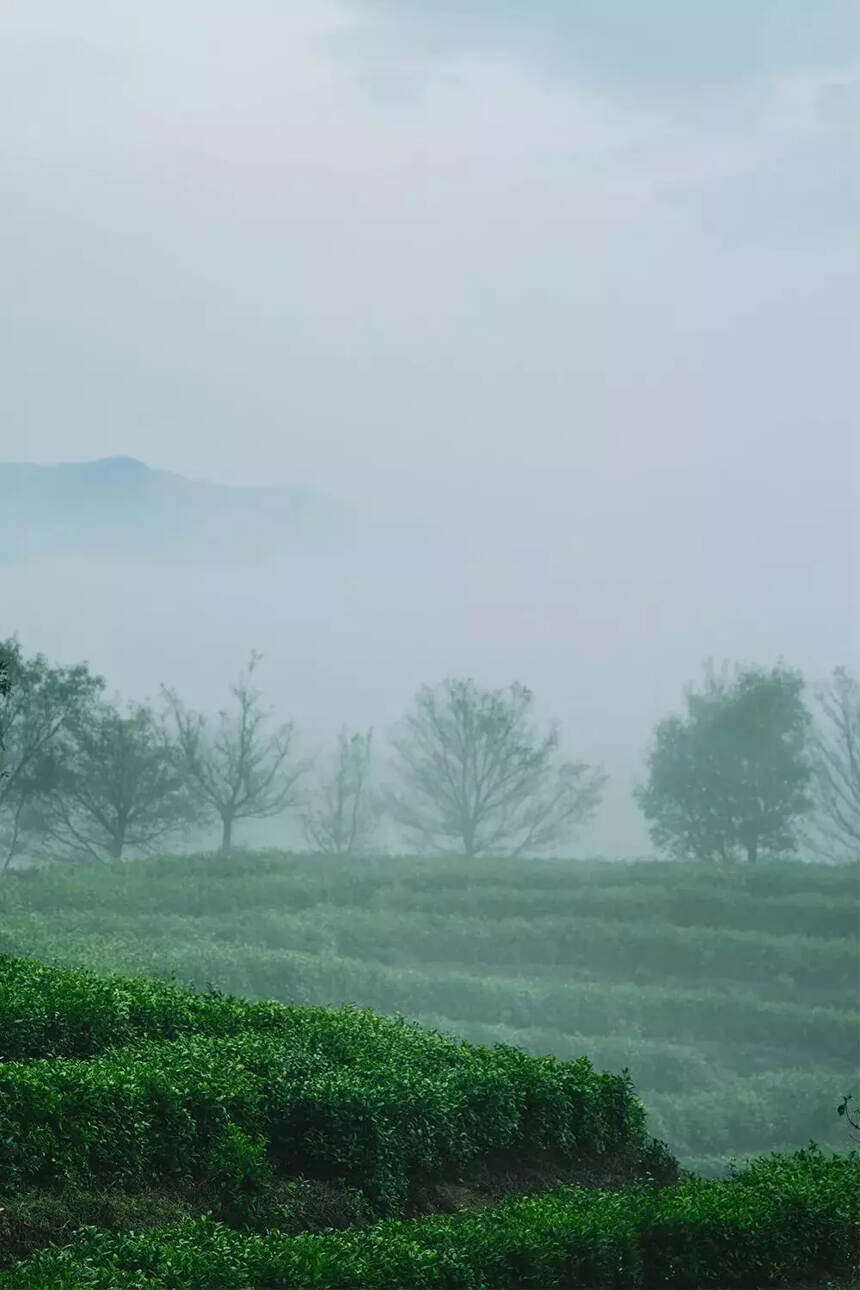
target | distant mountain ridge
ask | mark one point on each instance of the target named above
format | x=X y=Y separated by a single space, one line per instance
x=119 y=506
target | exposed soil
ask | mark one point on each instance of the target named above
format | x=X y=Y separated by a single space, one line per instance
x=487 y=1181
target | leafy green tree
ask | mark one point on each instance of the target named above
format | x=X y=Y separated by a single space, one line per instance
x=237 y=770
x=118 y=785
x=731 y=778
x=38 y=701
x=342 y=816
x=476 y=777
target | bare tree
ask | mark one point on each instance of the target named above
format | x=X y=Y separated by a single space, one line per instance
x=836 y=766
x=118 y=785
x=5 y=691
x=237 y=771
x=475 y=776
x=343 y=815
x=5 y=672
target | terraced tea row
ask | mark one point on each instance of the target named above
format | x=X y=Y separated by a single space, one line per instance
x=778 y=1222
x=344 y=1096
x=826 y=1034
x=548 y=963
x=778 y=899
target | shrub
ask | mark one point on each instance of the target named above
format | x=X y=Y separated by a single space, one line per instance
x=780 y=1220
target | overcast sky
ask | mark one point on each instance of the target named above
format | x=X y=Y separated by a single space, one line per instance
x=574 y=282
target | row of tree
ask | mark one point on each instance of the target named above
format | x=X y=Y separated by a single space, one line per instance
x=745 y=772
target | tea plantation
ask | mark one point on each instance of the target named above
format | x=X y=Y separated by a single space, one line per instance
x=160 y=1132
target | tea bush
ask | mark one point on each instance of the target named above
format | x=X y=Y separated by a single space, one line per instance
x=780 y=1220
x=697 y=977
x=679 y=1015
x=232 y=1109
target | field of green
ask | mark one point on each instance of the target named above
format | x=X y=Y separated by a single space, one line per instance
x=730 y=994
x=155 y=1138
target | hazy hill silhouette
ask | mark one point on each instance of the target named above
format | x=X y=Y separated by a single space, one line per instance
x=118 y=506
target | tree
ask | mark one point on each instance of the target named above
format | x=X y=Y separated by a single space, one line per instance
x=476 y=777
x=118 y=786
x=836 y=766
x=849 y=1114
x=37 y=702
x=5 y=691
x=343 y=815
x=236 y=771
x=731 y=778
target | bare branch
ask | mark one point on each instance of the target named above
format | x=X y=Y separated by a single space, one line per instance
x=237 y=771
x=836 y=767
x=475 y=777
x=343 y=816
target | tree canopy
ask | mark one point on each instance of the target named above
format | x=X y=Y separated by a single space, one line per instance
x=118 y=786
x=731 y=778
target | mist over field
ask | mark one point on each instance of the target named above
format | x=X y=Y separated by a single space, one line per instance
x=557 y=304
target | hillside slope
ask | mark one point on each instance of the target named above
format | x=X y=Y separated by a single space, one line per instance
x=156 y=1139
x=730 y=996
x=120 y=506
x=156 y=1099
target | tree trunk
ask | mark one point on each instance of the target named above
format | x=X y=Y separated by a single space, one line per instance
x=13 y=845
x=226 y=833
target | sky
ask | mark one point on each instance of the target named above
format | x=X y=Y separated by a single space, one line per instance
x=570 y=287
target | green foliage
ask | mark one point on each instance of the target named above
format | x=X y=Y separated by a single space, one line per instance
x=650 y=951
x=731 y=778
x=780 y=1220
x=37 y=702
x=747 y=1115
x=793 y=1030
x=717 y=992
x=117 y=787
x=32 y=1218
x=335 y=1096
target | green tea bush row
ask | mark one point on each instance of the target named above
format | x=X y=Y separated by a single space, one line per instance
x=792 y=1032
x=767 y=878
x=691 y=1102
x=650 y=951
x=755 y=1114
x=49 y=1011
x=658 y=1066
x=33 y=1218
x=726 y=908
x=62 y=1012
x=208 y=883
x=723 y=1166
x=231 y=1109
x=778 y=1221
x=645 y=951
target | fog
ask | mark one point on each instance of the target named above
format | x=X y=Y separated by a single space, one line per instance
x=561 y=308
x=386 y=385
